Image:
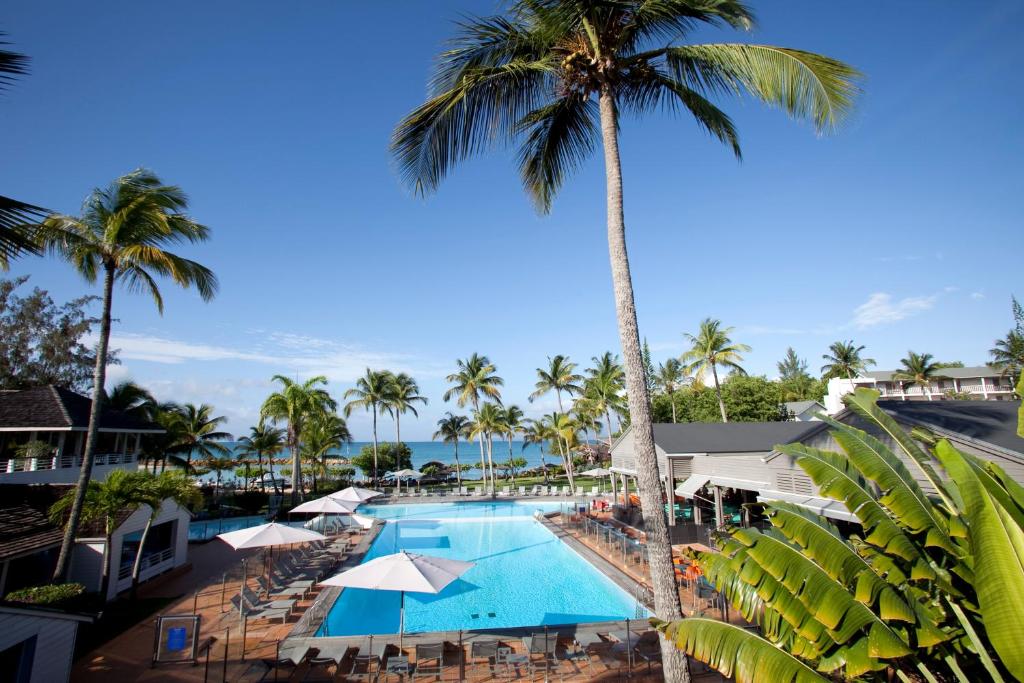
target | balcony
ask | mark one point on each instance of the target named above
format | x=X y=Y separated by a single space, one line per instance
x=60 y=470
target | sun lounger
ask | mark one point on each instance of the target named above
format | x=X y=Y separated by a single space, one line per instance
x=505 y=491
x=478 y=491
x=250 y=612
x=300 y=588
x=256 y=602
x=566 y=491
x=288 y=657
x=464 y=491
x=522 y=490
x=485 y=652
x=595 y=490
x=552 y=490
x=543 y=644
x=329 y=651
x=579 y=491
x=536 y=490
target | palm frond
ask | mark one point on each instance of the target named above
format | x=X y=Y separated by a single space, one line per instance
x=736 y=653
x=806 y=85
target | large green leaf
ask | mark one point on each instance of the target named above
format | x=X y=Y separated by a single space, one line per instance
x=736 y=653
x=864 y=402
x=828 y=600
x=901 y=494
x=822 y=542
x=997 y=542
x=836 y=479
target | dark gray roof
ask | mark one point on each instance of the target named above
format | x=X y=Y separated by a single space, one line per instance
x=732 y=437
x=958 y=373
x=993 y=422
x=24 y=525
x=797 y=407
x=51 y=407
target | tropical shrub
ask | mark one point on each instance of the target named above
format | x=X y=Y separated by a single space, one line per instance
x=390 y=457
x=930 y=588
x=51 y=594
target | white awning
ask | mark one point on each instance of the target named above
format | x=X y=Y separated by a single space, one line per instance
x=689 y=487
x=826 y=507
x=745 y=484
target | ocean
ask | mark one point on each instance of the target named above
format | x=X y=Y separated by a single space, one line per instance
x=430 y=451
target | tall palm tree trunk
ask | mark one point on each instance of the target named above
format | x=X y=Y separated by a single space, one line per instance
x=490 y=460
x=398 y=429
x=374 y=411
x=458 y=467
x=608 y=416
x=672 y=399
x=568 y=453
x=99 y=378
x=666 y=596
x=293 y=443
x=718 y=392
x=137 y=564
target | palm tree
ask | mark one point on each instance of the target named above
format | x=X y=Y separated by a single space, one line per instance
x=511 y=424
x=324 y=433
x=919 y=369
x=174 y=486
x=104 y=502
x=219 y=463
x=559 y=376
x=711 y=348
x=603 y=387
x=566 y=433
x=120 y=237
x=131 y=399
x=294 y=405
x=15 y=217
x=475 y=378
x=844 y=360
x=538 y=432
x=404 y=391
x=159 y=448
x=670 y=378
x=262 y=440
x=199 y=434
x=1008 y=355
x=371 y=392
x=450 y=429
x=486 y=422
x=533 y=76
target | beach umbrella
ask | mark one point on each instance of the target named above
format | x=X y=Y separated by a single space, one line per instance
x=267 y=536
x=326 y=506
x=355 y=494
x=403 y=572
x=405 y=474
x=598 y=472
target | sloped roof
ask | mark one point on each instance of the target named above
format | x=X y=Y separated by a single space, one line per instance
x=52 y=407
x=731 y=437
x=993 y=422
x=958 y=373
x=797 y=407
x=24 y=526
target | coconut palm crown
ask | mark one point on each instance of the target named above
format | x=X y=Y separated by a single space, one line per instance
x=711 y=349
x=844 y=360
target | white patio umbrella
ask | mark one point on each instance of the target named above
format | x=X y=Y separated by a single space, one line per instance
x=597 y=472
x=403 y=572
x=355 y=494
x=405 y=474
x=326 y=506
x=267 y=536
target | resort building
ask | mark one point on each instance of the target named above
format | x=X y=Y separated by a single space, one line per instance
x=804 y=411
x=42 y=437
x=37 y=645
x=981 y=382
x=59 y=419
x=717 y=467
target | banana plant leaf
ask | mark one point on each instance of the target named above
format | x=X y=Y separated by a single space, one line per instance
x=997 y=542
x=736 y=653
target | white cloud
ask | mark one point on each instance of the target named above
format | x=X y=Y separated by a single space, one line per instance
x=977 y=296
x=284 y=352
x=880 y=309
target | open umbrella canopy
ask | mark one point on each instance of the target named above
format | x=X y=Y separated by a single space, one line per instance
x=270 y=534
x=410 y=572
x=401 y=474
x=596 y=472
x=355 y=494
x=327 y=505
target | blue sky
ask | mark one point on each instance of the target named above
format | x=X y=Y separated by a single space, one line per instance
x=902 y=231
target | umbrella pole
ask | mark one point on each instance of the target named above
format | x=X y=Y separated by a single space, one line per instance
x=401 y=620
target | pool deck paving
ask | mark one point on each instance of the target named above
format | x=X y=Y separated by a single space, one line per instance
x=127 y=657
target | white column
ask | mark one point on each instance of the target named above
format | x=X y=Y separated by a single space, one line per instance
x=984 y=389
x=719 y=512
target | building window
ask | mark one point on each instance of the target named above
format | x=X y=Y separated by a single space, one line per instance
x=16 y=661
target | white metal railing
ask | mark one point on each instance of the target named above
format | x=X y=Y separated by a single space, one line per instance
x=148 y=562
x=64 y=462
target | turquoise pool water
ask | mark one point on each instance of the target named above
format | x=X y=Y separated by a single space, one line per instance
x=524 y=576
x=205 y=530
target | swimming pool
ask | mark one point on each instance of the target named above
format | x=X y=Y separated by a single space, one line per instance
x=207 y=529
x=524 y=576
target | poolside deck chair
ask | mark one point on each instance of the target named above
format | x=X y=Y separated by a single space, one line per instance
x=595 y=490
x=522 y=490
x=544 y=645
x=300 y=588
x=552 y=490
x=327 y=652
x=536 y=490
x=478 y=491
x=566 y=491
x=505 y=491
x=428 y=661
x=288 y=657
x=258 y=603
x=579 y=491
x=484 y=653
x=249 y=612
